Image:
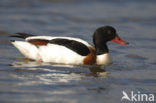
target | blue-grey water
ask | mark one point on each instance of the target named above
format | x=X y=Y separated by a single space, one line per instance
x=133 y=68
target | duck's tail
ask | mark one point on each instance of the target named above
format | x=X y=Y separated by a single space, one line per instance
x=28 y=50
x=22 y=35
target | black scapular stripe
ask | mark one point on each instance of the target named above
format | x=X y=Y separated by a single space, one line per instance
x=76 y=46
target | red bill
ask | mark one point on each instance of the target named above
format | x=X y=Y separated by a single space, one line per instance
x=119 y=41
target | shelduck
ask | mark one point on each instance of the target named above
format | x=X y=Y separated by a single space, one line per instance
x=68 y=50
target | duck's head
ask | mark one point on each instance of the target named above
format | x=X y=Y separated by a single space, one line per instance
x=104 y=34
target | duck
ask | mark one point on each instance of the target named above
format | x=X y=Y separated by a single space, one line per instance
x=68 y=50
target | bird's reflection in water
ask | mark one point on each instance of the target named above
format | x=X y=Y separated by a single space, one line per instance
x=97 y=71
x=94 y=70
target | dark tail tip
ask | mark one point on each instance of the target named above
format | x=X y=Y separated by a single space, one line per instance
x=22 y=35
x=12 y=40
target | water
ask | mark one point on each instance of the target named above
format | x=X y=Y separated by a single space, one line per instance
x=133 y=68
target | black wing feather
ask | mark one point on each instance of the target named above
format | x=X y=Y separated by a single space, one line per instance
x=76 y=46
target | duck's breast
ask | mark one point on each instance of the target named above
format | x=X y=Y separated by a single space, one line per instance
x=104 y=59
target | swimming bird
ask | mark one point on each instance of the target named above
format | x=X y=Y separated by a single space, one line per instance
x=69 y=50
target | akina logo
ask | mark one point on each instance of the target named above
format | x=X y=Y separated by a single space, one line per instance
x=137 y=97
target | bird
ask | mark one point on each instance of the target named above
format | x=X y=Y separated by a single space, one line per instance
x=68 y=50
x=125 y=96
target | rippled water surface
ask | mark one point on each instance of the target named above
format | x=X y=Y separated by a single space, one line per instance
x=133 y=68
